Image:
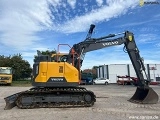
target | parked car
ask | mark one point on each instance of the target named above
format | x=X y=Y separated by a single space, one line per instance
x=104 y=81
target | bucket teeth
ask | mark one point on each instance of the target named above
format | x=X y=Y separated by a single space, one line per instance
x=144 y=96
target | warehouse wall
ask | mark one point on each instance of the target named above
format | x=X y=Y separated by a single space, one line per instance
x=154 y=72
x=105 y=71
x=113 y=70
x=101 y=71
x=133 y=73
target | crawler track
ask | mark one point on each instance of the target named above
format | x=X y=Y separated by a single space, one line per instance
x=55 y=97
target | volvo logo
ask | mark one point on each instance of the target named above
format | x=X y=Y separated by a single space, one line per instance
x=110 y=43
x=57 y=79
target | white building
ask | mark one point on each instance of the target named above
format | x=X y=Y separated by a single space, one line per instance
x=113 y=70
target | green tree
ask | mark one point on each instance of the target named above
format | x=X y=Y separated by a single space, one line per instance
x=93 y=71
x=47 y=52
x=20 y=66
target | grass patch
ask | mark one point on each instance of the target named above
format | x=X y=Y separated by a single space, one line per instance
x=22 y=83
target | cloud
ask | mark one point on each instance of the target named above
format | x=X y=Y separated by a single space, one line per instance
x=113 y=9
x=29 y=54
x=148 y=38
x=149 y=29
x=138 y=23
x=99 y=2
x=72 y=3
x=158 y=44
x=157 y=16
x=21 y=20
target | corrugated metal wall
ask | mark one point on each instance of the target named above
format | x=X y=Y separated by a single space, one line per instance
x=113 y=70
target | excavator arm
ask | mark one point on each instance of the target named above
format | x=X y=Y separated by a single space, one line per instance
x=143 y=94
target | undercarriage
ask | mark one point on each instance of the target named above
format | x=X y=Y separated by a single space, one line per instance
x=51 y=97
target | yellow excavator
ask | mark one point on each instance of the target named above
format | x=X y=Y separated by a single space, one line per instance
x=56 y=78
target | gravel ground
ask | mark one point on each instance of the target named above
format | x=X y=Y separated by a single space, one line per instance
x=111 y=104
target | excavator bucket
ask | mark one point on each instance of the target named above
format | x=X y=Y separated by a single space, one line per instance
x=144 y=96
x=10 y=101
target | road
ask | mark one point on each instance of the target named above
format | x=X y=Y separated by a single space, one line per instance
x=111 y=104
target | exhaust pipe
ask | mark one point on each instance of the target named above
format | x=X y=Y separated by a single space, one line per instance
x=10 y=101
x=144 y=95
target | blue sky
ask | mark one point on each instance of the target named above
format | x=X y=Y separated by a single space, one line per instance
x=27 y=26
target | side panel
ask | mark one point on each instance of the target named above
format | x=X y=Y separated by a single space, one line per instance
x=71 y=73
x=40 y=72
x=55 y=70
x=52 y=74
